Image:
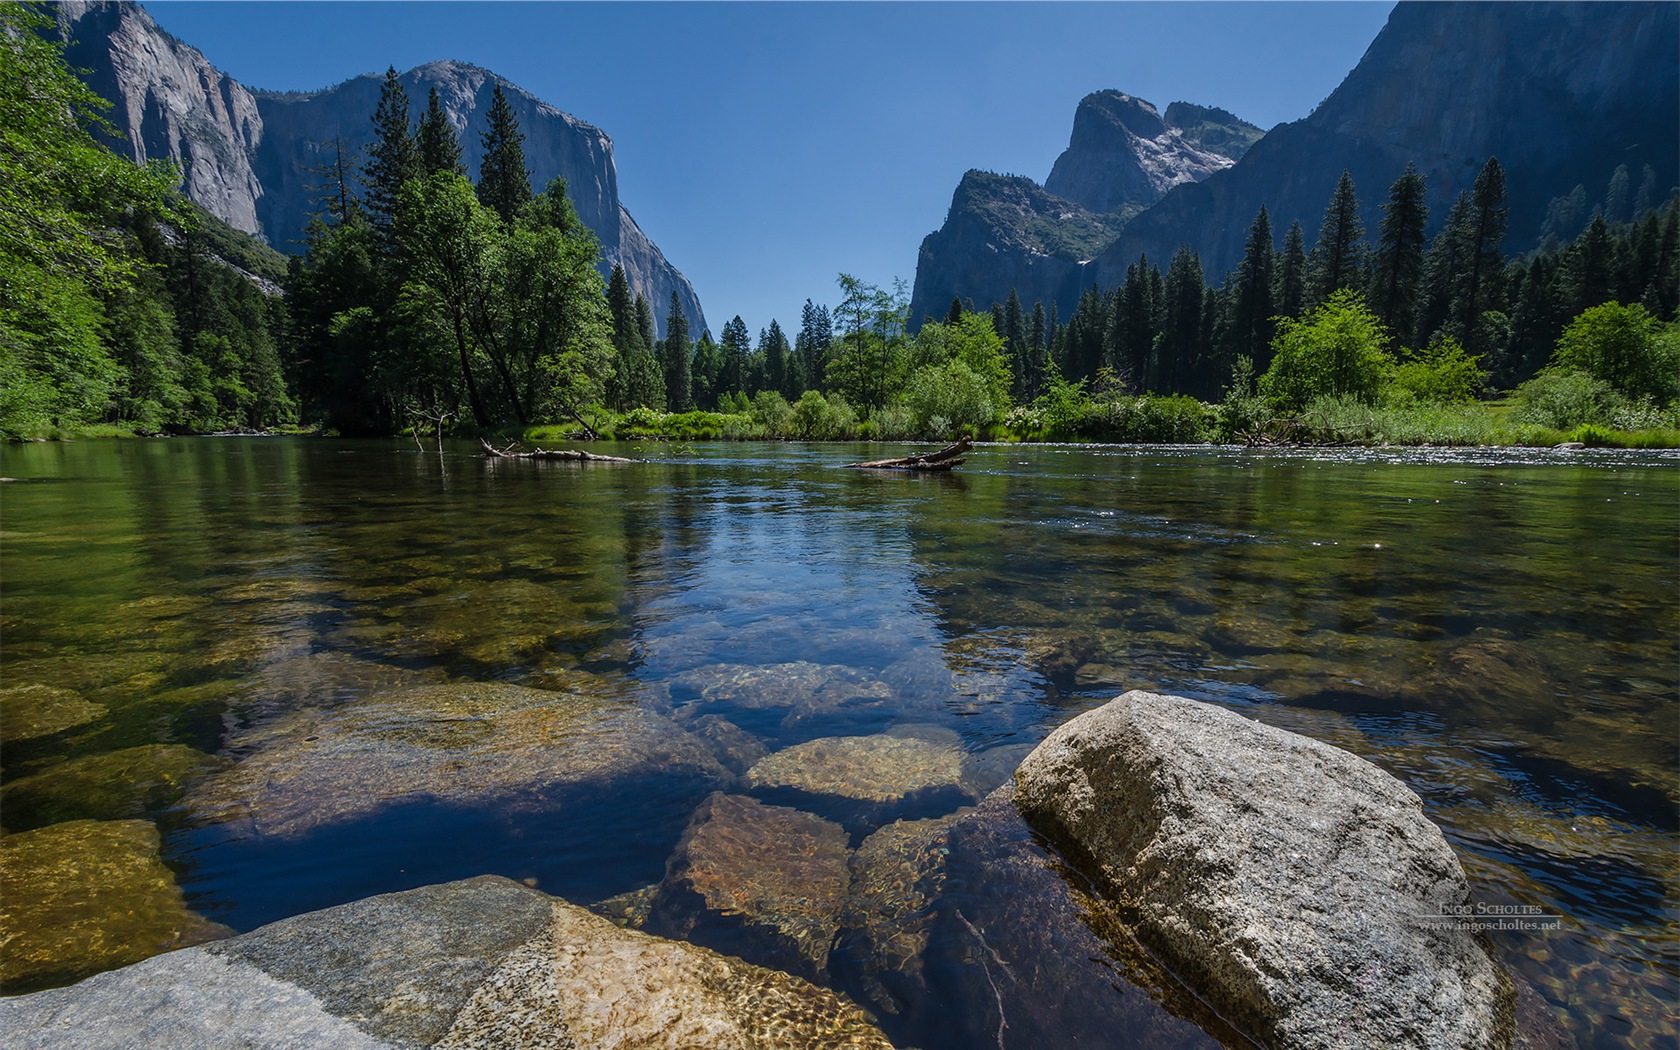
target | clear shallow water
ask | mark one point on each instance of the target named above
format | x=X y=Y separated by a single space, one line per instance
x=1498 y=629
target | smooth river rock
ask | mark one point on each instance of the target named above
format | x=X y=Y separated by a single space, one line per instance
x=466 y=743
x=1287 y=881
x=764 y=882
x=473 y=965
x=86 y=895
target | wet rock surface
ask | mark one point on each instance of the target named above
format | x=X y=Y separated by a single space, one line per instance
x=86 y=895
x=1286 y=880
x=463 y=743
x=883 y=768
x=481 y=963
x=763 y=882
x=29 y=712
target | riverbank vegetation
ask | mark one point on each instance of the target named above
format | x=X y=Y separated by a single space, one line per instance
x=427 y=303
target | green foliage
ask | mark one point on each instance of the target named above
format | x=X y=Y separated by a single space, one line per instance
x=816 y=418
x=504 y=182
x=951 y=394
x=973 y=341
x=1443 y=373
x=1564 y=398
x=1336 y=349
x=1626 y=347
x=1243 y=414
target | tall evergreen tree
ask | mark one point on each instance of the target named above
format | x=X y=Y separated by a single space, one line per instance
x=1038 y=358
x=1014 y=334
x=626 y=337
x=334 y=196
x=1082 y=341
x=1442 y=264
x=392 y=157
x=704 y=369
x=736 y=346
x=1393 y=289
x=1336 y=258
x=504 y=182
x=644 y=321
x=955 y=313
x=1482 y=256
x=1589 y=268
x=1250 y=330
x=1290 y=298
x=777 y=354
x=674 y=356
x=814 y=343
x=439 y=148
x=1179 y=354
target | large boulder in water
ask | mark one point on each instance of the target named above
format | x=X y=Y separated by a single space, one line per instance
x=1289 y=882
x=482 y=963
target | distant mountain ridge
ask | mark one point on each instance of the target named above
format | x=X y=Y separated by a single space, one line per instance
x=246 y=155
x=1561 y=92
x=1007 y=232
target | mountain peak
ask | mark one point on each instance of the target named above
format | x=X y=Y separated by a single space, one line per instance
x=1123 y=154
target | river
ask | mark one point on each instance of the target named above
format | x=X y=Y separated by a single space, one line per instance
x=1497 y=628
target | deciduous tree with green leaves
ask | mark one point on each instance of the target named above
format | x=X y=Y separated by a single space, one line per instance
x=1338 y=349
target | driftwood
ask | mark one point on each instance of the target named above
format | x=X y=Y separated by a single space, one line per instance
x=945 y=459
x=573 y=454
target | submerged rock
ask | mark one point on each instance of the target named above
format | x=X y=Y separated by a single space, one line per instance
x=883 y=768
x=463 y=743
x=29 y=712
x=1019 y=956
x=1289 y=882
x=481 y=963
x=762 y=882
x=114 y=786
x=84 y=896
x=897 y=876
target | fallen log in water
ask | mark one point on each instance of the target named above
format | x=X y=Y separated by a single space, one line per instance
x=577 y=455
x=945 y=459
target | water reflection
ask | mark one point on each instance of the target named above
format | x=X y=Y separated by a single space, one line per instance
x=1496 y=629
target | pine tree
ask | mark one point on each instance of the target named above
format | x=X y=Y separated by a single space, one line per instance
x=1617 y=197
x=1336 y=257
x=1589 y=276
x=1399 y=257
x=813 y=343
x=1291 y=294
x=1251 y=327
x=1037 y=355
x=627 y=339
x=504 y=182
x=773 y=347
x=1179 y=354
x=644 y=321
x=1442 y=264
x=1482 y=259
x=333 y=195
x=675 y=357
x=392 y=157
x=955 y=313
x=1014 y=334
x=736 y=345
x=439 y=148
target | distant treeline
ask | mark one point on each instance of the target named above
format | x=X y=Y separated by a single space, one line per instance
x=427 y=302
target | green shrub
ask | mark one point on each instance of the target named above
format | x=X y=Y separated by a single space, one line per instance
x=1336 y=349
x=1441 y=373
x=1563 y=399
x=951 y=393
x=893 y=422
x=772 y=412
x=1625 y=347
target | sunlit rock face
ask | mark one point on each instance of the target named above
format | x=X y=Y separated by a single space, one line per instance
x=252 y=157
x=1561 y=93
x=1006 y=232
x=1294 y=885
x=481 y=963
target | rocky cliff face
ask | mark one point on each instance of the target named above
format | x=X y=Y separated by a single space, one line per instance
x=1007 y=232
x=1561 y=93
x=246 y=155
x=1122 y=152
x=171 y=104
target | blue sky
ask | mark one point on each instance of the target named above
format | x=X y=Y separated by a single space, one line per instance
x=766 y=147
